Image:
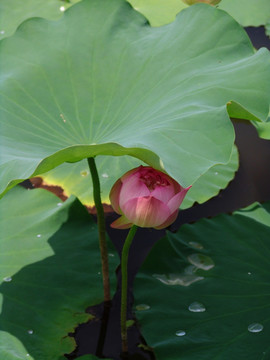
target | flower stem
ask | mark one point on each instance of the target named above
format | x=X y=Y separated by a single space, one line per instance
x=124 y=271
x=101 y=229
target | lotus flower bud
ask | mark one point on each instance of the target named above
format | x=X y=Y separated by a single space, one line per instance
x=210 y=2
x=147 y=198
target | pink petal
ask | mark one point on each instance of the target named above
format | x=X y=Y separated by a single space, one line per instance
x=169 y=221
x=163 y=193
x=132 y=188
x=131 y=172
x=146 y=211
x=177 y=200
x=114 y=196
x=121 y=223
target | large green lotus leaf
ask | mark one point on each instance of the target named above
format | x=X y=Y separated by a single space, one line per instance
x=27 y=220
x=46 y=284
x=263 y=129
x=246 y=12
x=11 y=348
x=14 y=12
x=267 y=27
x=75 y=178
x=204 y=292
x=125 y=88
x=210 y=183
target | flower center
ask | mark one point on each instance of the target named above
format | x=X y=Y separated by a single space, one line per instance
x=152 y=180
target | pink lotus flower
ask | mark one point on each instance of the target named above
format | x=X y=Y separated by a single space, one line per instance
x=147 y=198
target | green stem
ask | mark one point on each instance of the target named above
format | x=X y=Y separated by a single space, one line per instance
x=124 y=271
x=101 y=229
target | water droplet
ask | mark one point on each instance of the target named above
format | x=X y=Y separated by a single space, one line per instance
x=2 y=32
x=178 y=279
x=110 y=254
x=61 y=115
x=105 y=175
x=180 y=333
x=59 y=204
x=7 y=279
x=201 y=261
x=142 y=307
x=84 y=173
x=27 y=354
x=62 y=8
x=249 y=273
x=216 y=173
x=99 y=273
x=255 y=327
x=190 y=270
x=38 y=235
x=196 y=307
x=195 y=245
x=30 y=332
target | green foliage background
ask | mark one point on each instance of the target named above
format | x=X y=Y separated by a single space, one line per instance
x=98 y=80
